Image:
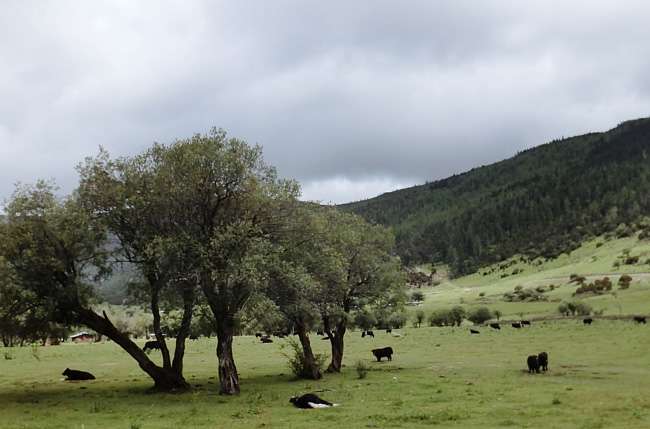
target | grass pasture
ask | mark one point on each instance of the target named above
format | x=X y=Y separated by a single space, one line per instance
x=441 y=377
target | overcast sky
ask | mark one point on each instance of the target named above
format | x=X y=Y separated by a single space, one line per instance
x=353 y=99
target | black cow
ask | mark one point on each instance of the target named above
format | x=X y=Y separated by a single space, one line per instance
x=194 y=337
x=309 y=400
x=370 y=334
x=151 y=345
x=363 y=334
x=525 y=323
x=326 y=337
x=495 y=326
x=473 y=331
x=386 y=352
x=516 y=325
x=266 y=340
x=320 y=333
x=542 y=359
x=75 y=375
x=258 y=335
x=639 y=319
x=389 y=330
x=533 y=364
x=587 y=321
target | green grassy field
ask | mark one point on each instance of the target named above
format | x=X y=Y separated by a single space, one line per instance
x=598 y=377
x=443 y=377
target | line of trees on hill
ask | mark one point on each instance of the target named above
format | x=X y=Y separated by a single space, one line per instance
x=209 y=225
x=540 y=203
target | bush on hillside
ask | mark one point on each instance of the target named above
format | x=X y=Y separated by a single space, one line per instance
x=480 y=315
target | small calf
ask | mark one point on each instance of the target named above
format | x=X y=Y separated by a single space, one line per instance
x=386 y=352
x=533 y=364
x=76 y=375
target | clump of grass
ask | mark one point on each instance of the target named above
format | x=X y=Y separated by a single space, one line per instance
x=296 y=360
x=8 y=355
x=362 y=369
x=135 y=426
x=556 y=401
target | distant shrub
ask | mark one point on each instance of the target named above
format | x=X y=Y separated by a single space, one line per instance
x=616 y=264
x=624 y=281
x=518 y=288
x=574 y=278
x=417 y=296
x=482 y=294
x=540 y=289
x=598 y=287
x=498 y=314
x=631 y=260
x=296 y=360
x=551 y=287
x=419 y=318
x=623 y=230
x=362 y=369
x=573 y=308
x=599 y=244
x=397 y=320
x=440 y=317
x=458 y=313
x=480 y=315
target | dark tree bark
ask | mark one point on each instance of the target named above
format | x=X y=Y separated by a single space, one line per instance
x=164 y=379
x=228 y=377
x=311 y=368
x=184 y=330
x=336 y=342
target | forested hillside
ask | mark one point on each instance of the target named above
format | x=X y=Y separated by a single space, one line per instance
x=542 y=202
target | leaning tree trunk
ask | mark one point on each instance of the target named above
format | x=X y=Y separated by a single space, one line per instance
x=184 y=330
x=164 y=379
x=311 y=369
x=228 y=377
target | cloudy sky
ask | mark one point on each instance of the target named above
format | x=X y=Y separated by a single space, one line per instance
x=351 y=98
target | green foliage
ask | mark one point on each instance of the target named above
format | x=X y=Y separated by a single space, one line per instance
x=296 y=359
x=480 y=315
x=573 y=308
x=599 y=286
x=447 y=317
x=541 y=203
x=417 y=296
x=624 y=281
x=362 y=369
x=419 y=318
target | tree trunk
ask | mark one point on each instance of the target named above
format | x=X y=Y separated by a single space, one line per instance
x=184 y=330
x=336 y=341
x=164 y=379
x=155 y=311
x=228 y=377
x=311 y=368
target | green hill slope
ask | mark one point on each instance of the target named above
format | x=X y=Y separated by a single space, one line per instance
x=542 y=202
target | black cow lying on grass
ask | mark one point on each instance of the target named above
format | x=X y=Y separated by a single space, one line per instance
x=386 y=352
x=76 y=375
x=587 y=321
x=639 y=319
x=516 y=325
x=542 y=359
x=309 y=400
x=151 y=345
x=473 y=331
x=533 y=364
x=266 y=339
x=495 y=326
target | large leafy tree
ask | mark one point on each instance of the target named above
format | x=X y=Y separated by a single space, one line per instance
x=54 y=248
x=227 y=205
x=363 y=272
x=129 y=196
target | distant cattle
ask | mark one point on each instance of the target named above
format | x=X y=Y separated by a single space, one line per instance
x=516 y=325
x=325 y=338
x=151 y=345
x=320 y=333
x=542 y=359
x=495 y=326
x=363 y=334
x=310 y=400
x=76 y=375
x=533 y=364
x=587 y=321
x=194 y=337
x=370 y=334
x=258 y=335
x=639 y=319
x=389 y=330
x=525 y=323
x=266 y=340
x=473 y=331
x=386 y=352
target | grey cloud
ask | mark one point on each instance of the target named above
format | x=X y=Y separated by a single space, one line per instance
x=351 y=98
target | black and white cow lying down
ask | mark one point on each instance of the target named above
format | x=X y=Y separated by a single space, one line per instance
x=309 y=400
x=76 y=375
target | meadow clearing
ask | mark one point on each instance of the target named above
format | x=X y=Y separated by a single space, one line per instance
x=443 y=377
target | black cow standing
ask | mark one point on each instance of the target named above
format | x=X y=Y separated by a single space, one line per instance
x=495 y=326
x=587 y=321
x=76 y=375
x=542 y=359
x=516 y=325
x=370 y=334
x=525 y=323
x=389 y=330
x=194 y=337
x=320 y=333
x=533 y=364
x=639 y=319
x=151 y=345
x=386 y=352
x=363 y=334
